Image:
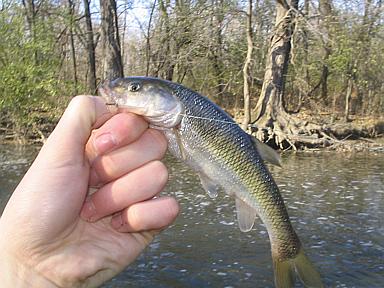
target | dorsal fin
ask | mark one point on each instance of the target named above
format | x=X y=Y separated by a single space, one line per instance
x=266 y=152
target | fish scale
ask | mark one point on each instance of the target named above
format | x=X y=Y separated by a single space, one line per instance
x=241 y=155
x=203 y=136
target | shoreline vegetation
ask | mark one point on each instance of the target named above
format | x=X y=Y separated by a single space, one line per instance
x=359 y=134
x=298 y=75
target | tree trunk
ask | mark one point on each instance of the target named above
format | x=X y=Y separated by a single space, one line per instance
x=217 y=49
x=325 y=7
x=148 y=40
x=165 y=56
x=246 y=70
x=348 y=99
x=272 y=121
x=30 y=16
x=306 y=45
x=123 y=36
x=271 y=98
x=111 y=51
x=72 y=44
x=90 y=46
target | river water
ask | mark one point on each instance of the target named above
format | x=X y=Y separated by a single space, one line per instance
x=336 y=204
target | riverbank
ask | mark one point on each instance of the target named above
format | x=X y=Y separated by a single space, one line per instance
x=357 y=134
x=31 y=129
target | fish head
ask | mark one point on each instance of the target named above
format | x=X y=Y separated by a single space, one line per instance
x=150 y=97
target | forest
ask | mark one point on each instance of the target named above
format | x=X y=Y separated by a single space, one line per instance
x=294 y=73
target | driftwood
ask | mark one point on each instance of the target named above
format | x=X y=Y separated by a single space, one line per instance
x=284 y=131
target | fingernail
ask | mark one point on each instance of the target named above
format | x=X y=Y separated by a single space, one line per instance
x=89 y=211
x=104 y=142
x=117 y=222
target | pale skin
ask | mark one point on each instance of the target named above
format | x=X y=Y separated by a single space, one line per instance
x=53 y=234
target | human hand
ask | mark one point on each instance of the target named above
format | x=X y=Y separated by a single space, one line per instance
x=44 y=242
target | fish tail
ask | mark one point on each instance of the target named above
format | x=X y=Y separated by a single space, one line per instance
x=286 y=271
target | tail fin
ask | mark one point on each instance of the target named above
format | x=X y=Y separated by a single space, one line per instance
x=285 y=272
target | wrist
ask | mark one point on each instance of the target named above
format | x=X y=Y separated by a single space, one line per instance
x=15 y=274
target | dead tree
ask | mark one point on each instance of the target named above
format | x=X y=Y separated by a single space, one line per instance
x=271 y=119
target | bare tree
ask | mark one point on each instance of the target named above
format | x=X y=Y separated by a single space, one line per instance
x=216 y=51
x=246 y=68
x=148 y=39
x=90 y=47
x=30 y=10
x=71 y=8
x=271 y=118
x=30 y=15
x=270 y=102
x=269 y=113
x=111 y=50
x=325 y=7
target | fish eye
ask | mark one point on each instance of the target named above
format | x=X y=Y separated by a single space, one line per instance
x=133 y=87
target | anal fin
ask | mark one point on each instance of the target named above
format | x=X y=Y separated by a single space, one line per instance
x=246 y=215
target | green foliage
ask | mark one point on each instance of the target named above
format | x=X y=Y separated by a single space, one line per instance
x=29 y=79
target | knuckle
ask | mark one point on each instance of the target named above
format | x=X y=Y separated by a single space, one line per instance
x=80 y=100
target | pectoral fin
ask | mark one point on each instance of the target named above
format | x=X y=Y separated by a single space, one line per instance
x=209 y=185
x=246 y=215
x=266 y=152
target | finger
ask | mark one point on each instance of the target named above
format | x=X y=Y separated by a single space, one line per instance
x=120 y=130
x=150 y=146
x=139 y=185
x=154 y=214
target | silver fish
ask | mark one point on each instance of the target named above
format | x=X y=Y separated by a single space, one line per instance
x=225 y=157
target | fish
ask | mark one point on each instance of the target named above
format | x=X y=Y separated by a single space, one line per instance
x=225 y=157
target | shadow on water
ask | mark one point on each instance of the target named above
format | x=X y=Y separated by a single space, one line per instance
x=336 y=203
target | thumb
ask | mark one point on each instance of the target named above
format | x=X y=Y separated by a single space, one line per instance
x=66 y=144
x=52 y=191
x=42 y=185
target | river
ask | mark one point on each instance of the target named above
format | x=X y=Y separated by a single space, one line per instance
x=336 y=204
